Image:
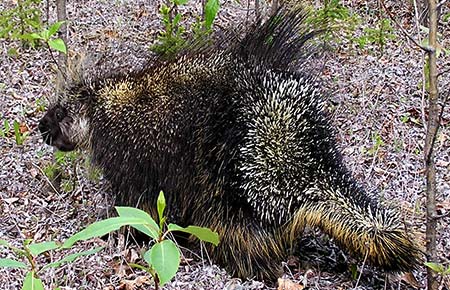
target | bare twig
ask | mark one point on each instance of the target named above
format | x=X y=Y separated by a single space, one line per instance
x=443 y=72
x=46 y=178
x=362 y=268
x=440 y=4
x=58 y=66
x=422 y=102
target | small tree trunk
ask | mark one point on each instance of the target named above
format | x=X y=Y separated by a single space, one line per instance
x=257 y=12
x=274 y=7
x=432 y=129
x=203 y=9
x=62 y=16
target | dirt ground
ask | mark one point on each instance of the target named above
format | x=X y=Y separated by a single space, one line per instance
x=375 y=100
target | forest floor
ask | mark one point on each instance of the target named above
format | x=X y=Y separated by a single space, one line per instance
x=375 y=101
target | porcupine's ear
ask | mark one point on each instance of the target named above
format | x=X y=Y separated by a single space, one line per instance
x=281 y=42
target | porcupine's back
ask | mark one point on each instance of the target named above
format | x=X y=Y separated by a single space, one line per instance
x=170 y=125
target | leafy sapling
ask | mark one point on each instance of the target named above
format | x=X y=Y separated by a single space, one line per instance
x=47 y=37
x=173 y=38
x=163 y=258
x=27 y=257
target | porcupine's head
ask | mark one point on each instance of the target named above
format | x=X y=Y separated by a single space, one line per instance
x=66 y=125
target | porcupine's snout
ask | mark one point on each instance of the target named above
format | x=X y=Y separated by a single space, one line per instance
x=52 y=127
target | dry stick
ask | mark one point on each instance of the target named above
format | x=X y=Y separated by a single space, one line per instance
x=46 y=178
x=422 y=103
x=440 y=4
x=362 y=269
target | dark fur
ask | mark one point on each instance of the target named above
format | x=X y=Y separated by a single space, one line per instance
x=239 y=143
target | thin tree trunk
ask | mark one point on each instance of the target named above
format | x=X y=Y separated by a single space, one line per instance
x=62 y=16
x=257 y=12
x=203 y=9
x=432 y=129
x=274 y=7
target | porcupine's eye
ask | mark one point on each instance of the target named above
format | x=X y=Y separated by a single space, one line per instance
x=60 y=113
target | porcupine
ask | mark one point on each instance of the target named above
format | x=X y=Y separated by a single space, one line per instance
x=239 y=141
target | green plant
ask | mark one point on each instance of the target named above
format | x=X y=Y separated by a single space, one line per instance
x=93 y=172
x=439 y=269
x=23 y=22
x=64 y=168
x=173 y=38
x=27 y=258
x=46 y=36
x=377 y=143
x=18 y=22
x=163 y=258
x=378 y=36
x=4 y=132
x=334 y=19
x=40 y=105
x=20 y=135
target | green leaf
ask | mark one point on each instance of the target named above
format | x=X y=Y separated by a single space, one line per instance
x=180 y=2
x=203 y=234
x=58 y=44
x=137 y=266
x=32 y=283
x=165 y=259
x=10 y=263
x=102 y=228
x=3 y=242
x=45 y=35
x=146 y=256
x=36 y=249
x=354 y=271
x=436 y=267
x=35 y=36
x=72 y=257
x=176 y=19
x=447 y=272
x=55 y=27
x=6 y=125
x=17 y=134
x=148 y=226
x=161 y=205
x=211 y=9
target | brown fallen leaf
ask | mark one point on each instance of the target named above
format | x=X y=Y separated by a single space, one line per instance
x=23 y=128
x=286 y=284
x=138 y=283
x=409 y=279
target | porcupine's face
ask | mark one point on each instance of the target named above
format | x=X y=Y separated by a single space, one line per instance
x=64 y=126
